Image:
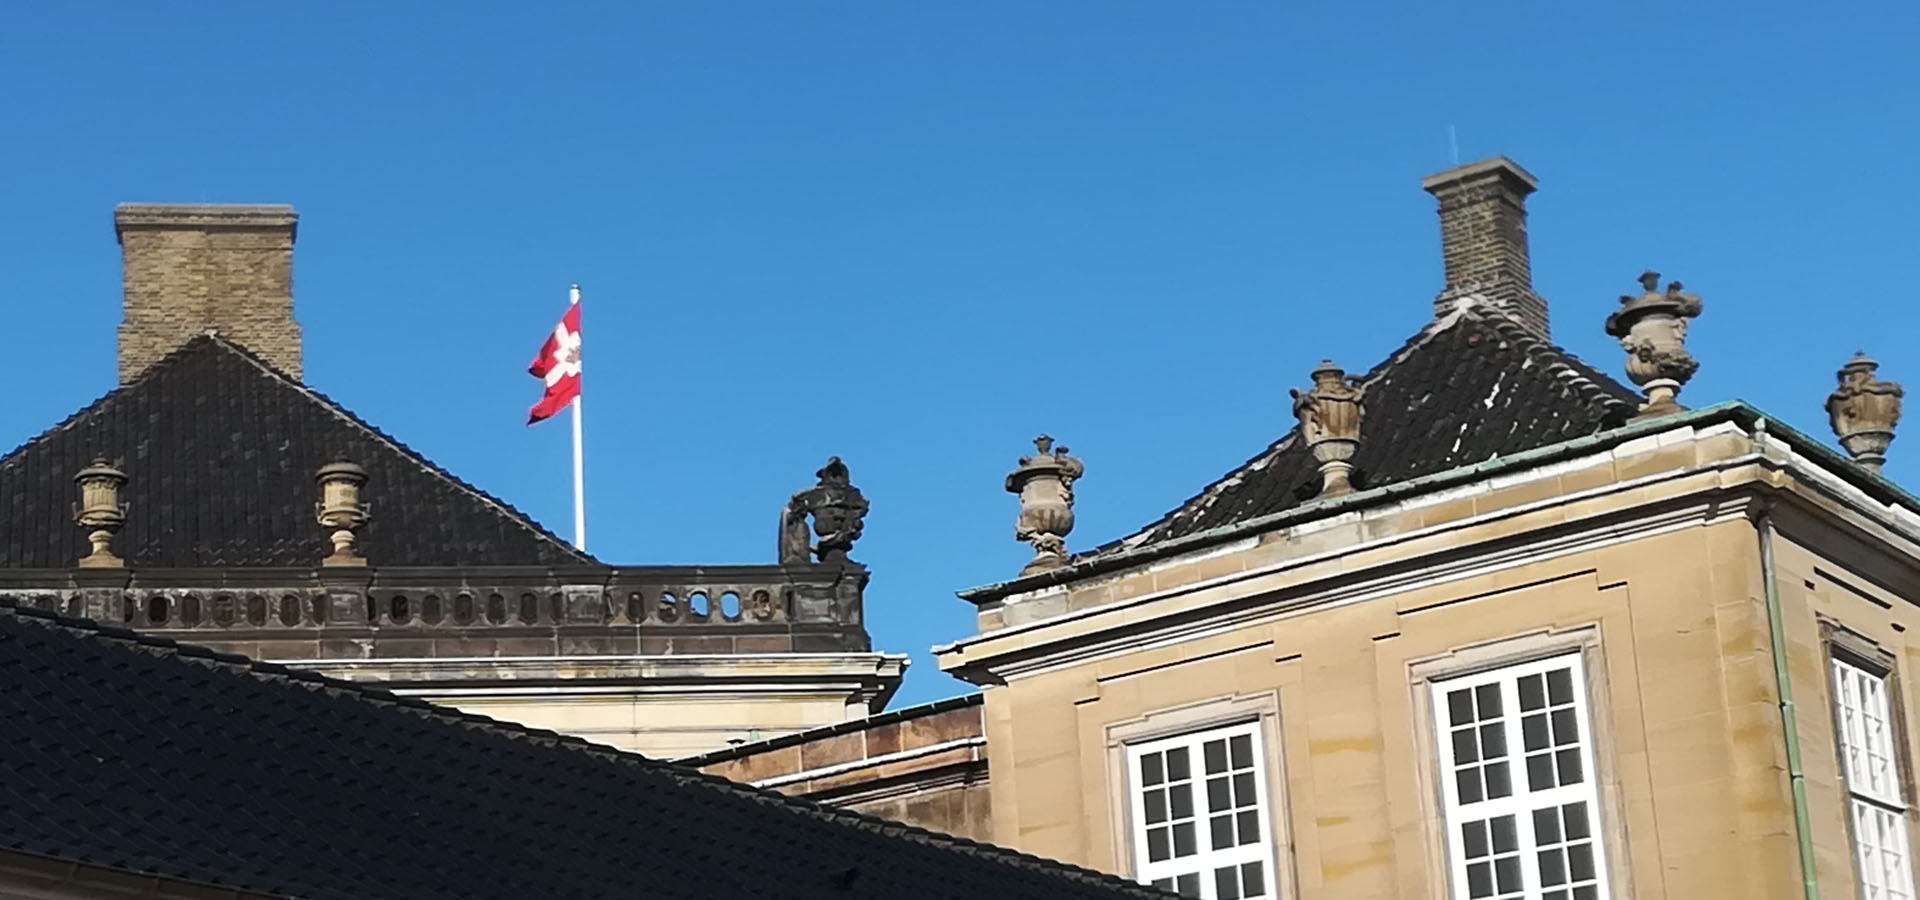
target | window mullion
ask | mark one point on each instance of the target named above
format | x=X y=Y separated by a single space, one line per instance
x=1523 y=796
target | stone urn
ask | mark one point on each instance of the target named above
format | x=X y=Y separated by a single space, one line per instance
x=341 y=510
x=1863 y=411
x=1330 y=414
x=1044 y=482
x=100 y=512
x=1652 y=328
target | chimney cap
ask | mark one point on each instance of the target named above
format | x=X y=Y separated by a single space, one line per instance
x=203 y=215
x=1498 y=167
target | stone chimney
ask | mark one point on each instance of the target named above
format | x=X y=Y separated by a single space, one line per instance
x=192 y=268
x=1483 y=238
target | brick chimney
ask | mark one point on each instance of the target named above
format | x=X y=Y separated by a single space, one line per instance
x=1483 y=238
x=192 y=268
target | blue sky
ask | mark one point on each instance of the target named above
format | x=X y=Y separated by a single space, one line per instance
x=916 y=234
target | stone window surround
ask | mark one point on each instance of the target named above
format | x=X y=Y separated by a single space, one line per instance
x=1845 y=644
x=1262 y=707
x=1499 y=653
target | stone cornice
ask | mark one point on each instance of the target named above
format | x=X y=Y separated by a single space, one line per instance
x=1776 y=471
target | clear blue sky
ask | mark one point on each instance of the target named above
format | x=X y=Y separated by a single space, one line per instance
x=916 y=234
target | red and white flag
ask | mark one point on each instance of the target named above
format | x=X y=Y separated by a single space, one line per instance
x=559 y=366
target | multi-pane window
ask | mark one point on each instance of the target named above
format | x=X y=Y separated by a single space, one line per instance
x=1516 y=761
x=1877 y=801
x=1200 y=814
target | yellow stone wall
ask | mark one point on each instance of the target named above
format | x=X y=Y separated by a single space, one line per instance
x=1647 y=555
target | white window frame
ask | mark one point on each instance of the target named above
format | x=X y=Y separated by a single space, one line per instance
x=1521 y=801
x=1205 y=859
x=1867 y=737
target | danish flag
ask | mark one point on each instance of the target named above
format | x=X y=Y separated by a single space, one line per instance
x=559 y=366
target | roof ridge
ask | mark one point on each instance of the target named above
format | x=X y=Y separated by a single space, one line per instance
x=1591 y=383
x=420 y=459
x=1587 y=384
x=172 y=358
x=1212 y=490
x=10 y=605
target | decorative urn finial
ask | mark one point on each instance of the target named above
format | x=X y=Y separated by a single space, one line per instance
x=839 y=514
x=100 y=512
x=1863 y=411
x=1330 y=414
x=1652 y=328
x=341 y=509
x=1044 y=482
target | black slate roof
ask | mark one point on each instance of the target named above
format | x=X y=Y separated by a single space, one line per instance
x=139 y=754
x=221 y=449
x=1470 y=387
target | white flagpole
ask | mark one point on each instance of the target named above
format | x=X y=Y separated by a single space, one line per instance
x=579 y=481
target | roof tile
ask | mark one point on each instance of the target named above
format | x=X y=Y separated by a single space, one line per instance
x=149 y=756
x=1469 y=387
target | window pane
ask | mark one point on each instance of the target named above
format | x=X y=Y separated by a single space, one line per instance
x=1253 y=880
x=1546 y=825
x=1243 y=794
x=1533 y=694
x=1486 y=700
x=1560 y=686
x=1226 y=883
x=1459 y=707
x=1219 y=794
x=1494 y=739
x=1473 y=839
x=1466 y=746
x=1242 y=753
x=1499 y=782
x=1183 y=844
x=1249 y=826
x=1467 y=782
x=1177 y=763
x=1505 y=840
x=1575 y=816
x=1221 y=828
x=1216 y=754
x=1480 y=879
x=1570 y=766
x=1180 y=799
x=1540 y=772
x=1157 y=844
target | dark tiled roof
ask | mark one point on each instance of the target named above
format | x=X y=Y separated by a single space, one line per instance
x=139 y=754
x=1469 y=387
x=220 y=450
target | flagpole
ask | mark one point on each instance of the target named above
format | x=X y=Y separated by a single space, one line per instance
x=579 y=480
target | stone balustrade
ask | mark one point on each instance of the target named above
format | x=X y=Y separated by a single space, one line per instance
x=471 y=611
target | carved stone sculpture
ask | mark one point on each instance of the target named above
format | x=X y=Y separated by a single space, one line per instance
x=1652 y=328
x=1044 y=482
x=1863 y=411
x=100 y=512
x=341 y=509
x=839 y=513
x=1330 y=414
